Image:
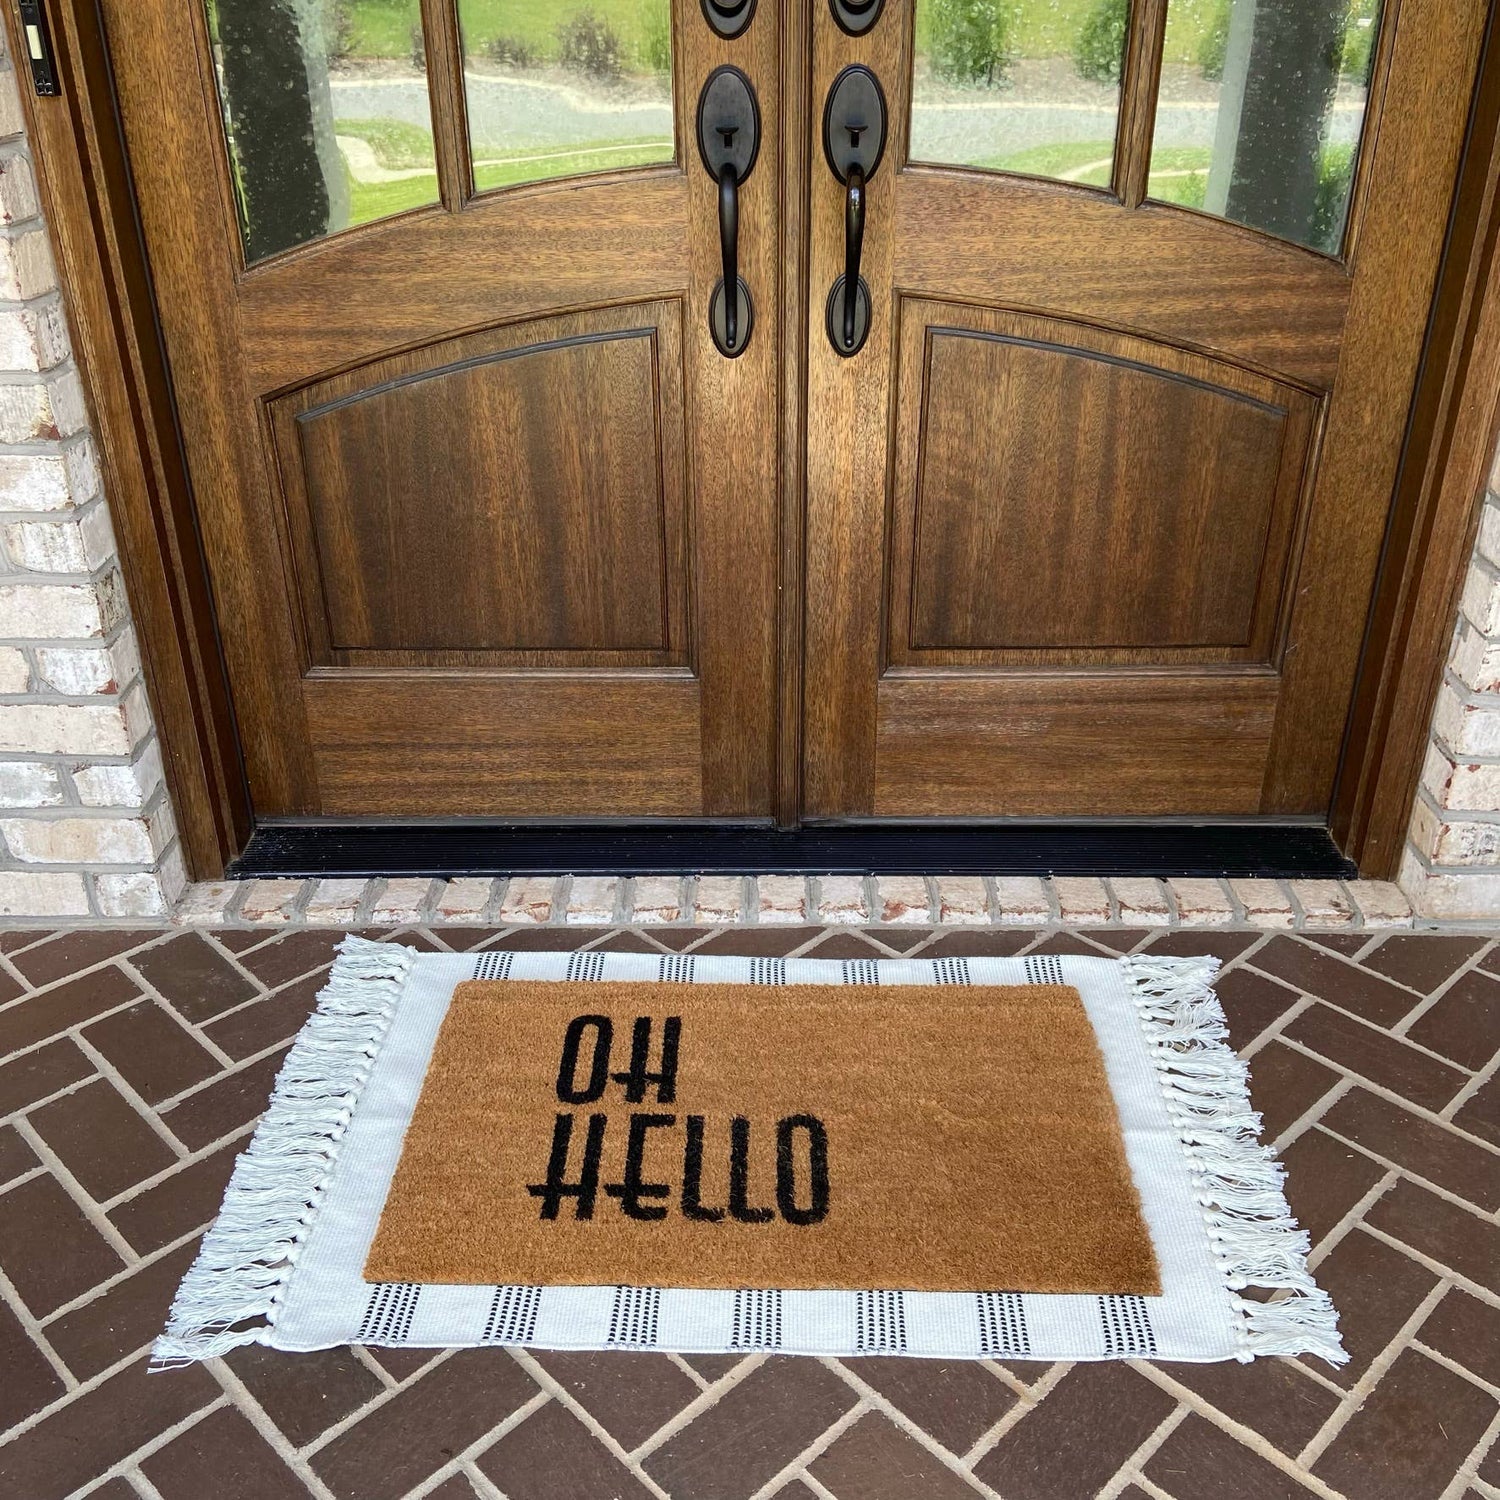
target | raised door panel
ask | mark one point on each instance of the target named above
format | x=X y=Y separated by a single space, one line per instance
x=1066 y=495
x=511 y=498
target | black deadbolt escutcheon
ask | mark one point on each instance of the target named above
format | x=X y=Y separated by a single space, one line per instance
x=854 y=120
x=729 y=18
x=728 y=123
x=855 y=17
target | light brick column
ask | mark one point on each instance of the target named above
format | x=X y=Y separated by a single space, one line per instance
x=85 y=827
x=1451 y=867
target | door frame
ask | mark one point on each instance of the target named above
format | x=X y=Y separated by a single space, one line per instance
x=77 y=143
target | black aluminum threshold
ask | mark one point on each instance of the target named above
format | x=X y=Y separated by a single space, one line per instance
x=471 y=847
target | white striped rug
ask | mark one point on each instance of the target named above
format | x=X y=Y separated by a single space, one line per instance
x=281 y=1265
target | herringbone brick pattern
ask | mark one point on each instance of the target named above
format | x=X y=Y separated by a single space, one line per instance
x=135 y=1063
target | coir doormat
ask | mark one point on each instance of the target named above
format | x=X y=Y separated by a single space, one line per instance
x=1187 y=1249
x=936 y=1137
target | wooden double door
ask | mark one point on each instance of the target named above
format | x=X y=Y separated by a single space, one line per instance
x=1074 y=509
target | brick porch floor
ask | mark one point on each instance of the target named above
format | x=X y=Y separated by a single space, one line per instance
x=135 y=1064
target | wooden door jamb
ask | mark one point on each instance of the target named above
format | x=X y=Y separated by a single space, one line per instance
x=1449 y=449
x=84 y=176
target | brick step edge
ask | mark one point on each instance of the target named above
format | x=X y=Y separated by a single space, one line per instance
x=786 y=900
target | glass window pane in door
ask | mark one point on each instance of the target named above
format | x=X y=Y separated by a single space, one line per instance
x=556 y=88
x=1019 y=85
x=1260 y=112
x=326 y=114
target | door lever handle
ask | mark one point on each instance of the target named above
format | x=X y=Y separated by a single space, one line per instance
x=729 y=248
x=854 y=239
x=728 y=141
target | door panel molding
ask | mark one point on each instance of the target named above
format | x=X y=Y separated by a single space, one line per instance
x=90 y=205
x=1449 y=453
x=1193 y=556
x=1396 y=258
x=516 y=497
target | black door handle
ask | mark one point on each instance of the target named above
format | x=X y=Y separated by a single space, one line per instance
x=854 y=239
x=729 y=248
x=854 y=120
x=728 y=140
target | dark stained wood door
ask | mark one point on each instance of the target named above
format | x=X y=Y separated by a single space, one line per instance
x=1094 y=514
x=476 y=542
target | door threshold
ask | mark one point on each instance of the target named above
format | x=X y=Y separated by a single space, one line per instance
x=1166 y=849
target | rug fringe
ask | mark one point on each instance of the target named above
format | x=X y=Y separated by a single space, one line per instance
x=1238 y=1180
x=230 y=1295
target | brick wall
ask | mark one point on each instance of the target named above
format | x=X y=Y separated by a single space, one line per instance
x=85 y=827
x=1451 y=868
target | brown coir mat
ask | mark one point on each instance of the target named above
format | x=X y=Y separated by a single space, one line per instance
x=922 y=1137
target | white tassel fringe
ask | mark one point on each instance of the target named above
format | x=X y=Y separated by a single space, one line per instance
x=230 y=1295
x=1237 y=1180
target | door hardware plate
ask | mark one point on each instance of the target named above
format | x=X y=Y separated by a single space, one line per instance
x=854 y=122
x=855 y=17
x=730 y=21
x=833 y=318
x=728 y=123
x=745 y=315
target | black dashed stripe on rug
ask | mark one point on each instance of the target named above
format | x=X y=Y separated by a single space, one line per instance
x=677 y=968
x=860 y=971
x=494 y=965
x=1044 y=968
x=951 y=971
x=1002 y=1325
x=634 y=1316
x=1127 y=1327
x=388 y=1313
x=757 y=1320
x=586 y=966
x=512 y=1316
x=880 y=1319
x=767 y=971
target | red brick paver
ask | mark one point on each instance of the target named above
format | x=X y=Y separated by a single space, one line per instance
x=133 y=1066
